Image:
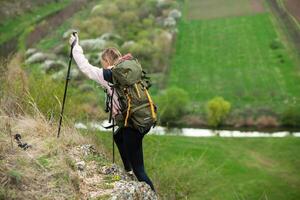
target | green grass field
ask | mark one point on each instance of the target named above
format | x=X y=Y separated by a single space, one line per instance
x=220 y=168
x=232 y=57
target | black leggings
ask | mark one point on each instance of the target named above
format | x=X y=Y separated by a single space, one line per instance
x=129 y=142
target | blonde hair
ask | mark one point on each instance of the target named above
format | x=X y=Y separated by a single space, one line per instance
x=110 y=55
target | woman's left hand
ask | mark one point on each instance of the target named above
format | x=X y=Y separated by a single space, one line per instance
x=73 y=38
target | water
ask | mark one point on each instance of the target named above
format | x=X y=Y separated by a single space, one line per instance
x=193 y=132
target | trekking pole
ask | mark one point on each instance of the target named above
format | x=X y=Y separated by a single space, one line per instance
x=113 y=143
x=66 y=84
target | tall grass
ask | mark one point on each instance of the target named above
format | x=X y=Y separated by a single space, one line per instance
x=22 y=86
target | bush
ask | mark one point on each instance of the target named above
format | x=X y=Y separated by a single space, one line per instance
x=108 y=10
x=94 y=27
x=172 y=104
x=276 y=44
x=143 y=50
x=291 y=117
x=217 y=109
x=266 y=122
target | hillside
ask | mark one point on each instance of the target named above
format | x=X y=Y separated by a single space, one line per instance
x=69 y=167
x=193 y=50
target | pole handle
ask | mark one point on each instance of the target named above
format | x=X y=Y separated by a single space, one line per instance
x=74 y=33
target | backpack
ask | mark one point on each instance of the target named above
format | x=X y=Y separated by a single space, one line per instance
x=131 y=85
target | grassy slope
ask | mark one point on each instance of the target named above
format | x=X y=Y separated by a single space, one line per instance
x=17 y=25
x=231 y=57
x=222 y=168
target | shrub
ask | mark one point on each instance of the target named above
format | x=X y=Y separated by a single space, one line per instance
x=125 y=5
x=172 y=104
x=217 y=109
x=291 y=116
x=266 y=122
x=108 y=10
x=143 y=50
x=94 y=27
x=128 y=18
x=276 y=44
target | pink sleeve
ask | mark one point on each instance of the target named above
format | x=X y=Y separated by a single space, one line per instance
x=85 y=67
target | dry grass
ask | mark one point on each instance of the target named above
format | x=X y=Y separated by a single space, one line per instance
x=14 y=86
x=42 y=171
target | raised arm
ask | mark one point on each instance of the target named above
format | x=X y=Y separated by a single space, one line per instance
x=89 y=70
x=83 y=64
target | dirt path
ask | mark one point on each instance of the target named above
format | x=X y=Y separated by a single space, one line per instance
x=287 y=22
x=293 y=7
x=41 y=30
x=53 y=21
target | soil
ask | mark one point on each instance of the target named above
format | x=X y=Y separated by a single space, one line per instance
x=53 y=21
x=290 y=26
x=257 y=6
x=41 y=30
x=293 y=7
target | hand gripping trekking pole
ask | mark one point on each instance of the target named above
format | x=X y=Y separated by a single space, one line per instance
x=67 y=82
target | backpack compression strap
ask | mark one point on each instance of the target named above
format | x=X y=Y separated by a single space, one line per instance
x=128 y=108
x=151 y=104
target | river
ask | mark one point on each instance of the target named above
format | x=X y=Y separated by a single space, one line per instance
x=194 y=132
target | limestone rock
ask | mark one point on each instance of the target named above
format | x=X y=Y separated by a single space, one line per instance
x=30 y=52
x=93 y=44
x=132 y=190
x=169 y=22
x=52 y=65
x=80 y=165
x=36 y=58
x=175 y=14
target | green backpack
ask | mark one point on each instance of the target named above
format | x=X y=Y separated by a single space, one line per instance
x=131 y=86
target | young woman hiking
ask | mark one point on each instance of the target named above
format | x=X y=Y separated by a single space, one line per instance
x=129 y=140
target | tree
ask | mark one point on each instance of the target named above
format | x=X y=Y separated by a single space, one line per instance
x=216 y=110
x=172 y=104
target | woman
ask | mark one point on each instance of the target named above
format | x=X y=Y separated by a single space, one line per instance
x=128 y=140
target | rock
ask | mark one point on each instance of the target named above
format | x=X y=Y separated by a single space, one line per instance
x=132 y=190
x=175 y=14
x=30 y=52
x=110 y=36
x=74 y=73
x=80 y=165
x=93 y=44
x=169 y=22
x=87 y=149
x=52 y=65
x=36 y=58
x=113 y=169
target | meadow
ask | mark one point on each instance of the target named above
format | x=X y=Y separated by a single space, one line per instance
x=244 y=59
x=220 y=168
